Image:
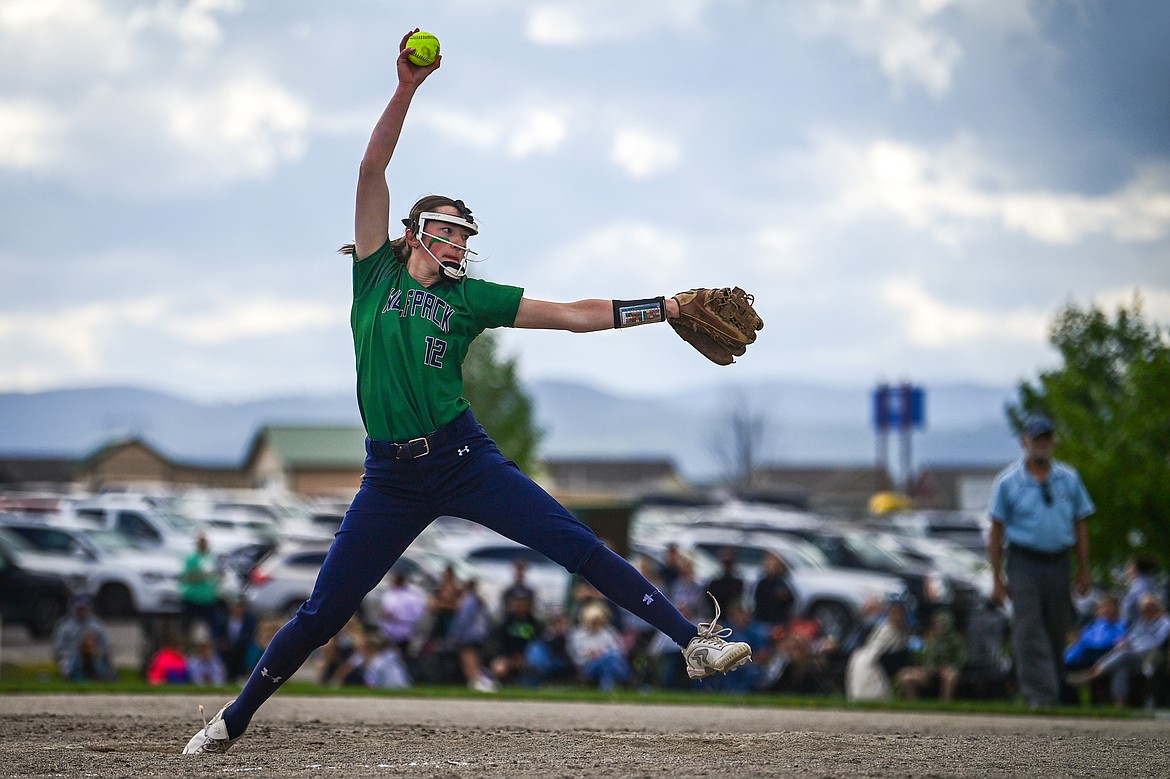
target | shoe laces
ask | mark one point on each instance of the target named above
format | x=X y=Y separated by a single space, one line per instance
x=713 y=631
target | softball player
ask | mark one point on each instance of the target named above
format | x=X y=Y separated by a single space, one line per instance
x=414 y=314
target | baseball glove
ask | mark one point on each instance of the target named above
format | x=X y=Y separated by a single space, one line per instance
x=720 y=323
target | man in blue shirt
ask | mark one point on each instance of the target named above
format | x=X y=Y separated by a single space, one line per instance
x=1037 y=510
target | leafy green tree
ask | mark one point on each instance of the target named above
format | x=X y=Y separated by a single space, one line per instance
x=1110 y=401
x=499 y=401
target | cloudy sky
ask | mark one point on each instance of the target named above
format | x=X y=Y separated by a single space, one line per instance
x=911 y=188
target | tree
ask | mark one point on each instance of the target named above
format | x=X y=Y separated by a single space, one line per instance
x=740 y=437
x=499 y=401
x=1109 y=403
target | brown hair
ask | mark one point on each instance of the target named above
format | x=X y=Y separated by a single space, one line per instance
x=427 y=203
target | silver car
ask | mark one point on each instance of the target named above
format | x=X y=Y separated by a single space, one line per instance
x=832 y=596
x=284 y=579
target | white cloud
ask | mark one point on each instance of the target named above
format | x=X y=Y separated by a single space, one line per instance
x=641 y=153
x=194 y=23
x=540 y=131
x=254 y=319
x=30 y=135
x=581 y=22
x=638 y=254
x=244 y=128
x=902 y=36
x=1155 y=301
x=934 y=324
x=520 y=130
x=948 y=190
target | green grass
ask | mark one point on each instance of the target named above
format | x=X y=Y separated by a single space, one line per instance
x=42 y=679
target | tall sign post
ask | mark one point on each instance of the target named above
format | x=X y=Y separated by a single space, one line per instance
x=900 y=408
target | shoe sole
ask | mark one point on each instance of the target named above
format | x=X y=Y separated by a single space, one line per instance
x=733 y=663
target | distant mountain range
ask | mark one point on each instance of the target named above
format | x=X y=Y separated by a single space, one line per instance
x=802 y=424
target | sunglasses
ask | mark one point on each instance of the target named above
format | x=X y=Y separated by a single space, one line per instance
x=1046 y=493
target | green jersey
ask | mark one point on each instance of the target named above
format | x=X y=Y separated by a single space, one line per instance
x=410 y=342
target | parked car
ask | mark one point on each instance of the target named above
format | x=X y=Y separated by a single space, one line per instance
x=153 y=526
x=930 y=587
x=283 y=580
x=277 y=516
x=125 y=580
x=35 y=600
x=968 y=529
x=489 y=558
x=831 y=595
x=74 y=573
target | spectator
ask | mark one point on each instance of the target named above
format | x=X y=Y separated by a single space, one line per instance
x=774 y=595
x=1139 y=651
x=382 y=667
x=686 y=592
x=401 y=611
x=799 y=660
x=596 y=650
x=1038 y=508
x=168 y=665
x=519 y=588
x=204 y=665
x=989 y=664
x=547 y=656
x=867 y=675
x=437 y=662
x=511 y=639
x=1096 y=638
x=342 y=658
x=199 y=588
x=671 y=565
x=1141 y=573
x=469 y=632
x=728 y=586
x=238 y=647
x=937 y=664
x=81 y=649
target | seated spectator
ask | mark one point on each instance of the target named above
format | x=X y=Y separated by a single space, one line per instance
x=204 y=665
x=238 y=647
x=81 y=650
x=468 y=634
x=988 y=671
x=937 y=664
x=1139 y=651
x=798 y=660
x=340 y=661
x=436 y=661
x=511 y=638
x=519 y=588
x=596 y=650
x=401 y=611
x=867 y=674
x=728 y=587
x=1096 y=638
x=547 y=656
x=773 y=595
x=382 y=666
x=168 y=665
x=1141 y=572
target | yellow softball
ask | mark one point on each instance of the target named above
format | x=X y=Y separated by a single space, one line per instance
x=426 y=48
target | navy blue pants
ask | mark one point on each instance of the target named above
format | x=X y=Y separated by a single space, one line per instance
x=464 y=476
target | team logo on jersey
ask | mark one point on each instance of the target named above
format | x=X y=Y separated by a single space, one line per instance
x=463 y=450
x=420 y=303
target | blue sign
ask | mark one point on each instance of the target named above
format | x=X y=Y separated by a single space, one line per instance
x=900 y=407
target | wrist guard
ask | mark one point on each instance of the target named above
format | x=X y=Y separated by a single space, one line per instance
x=629 y=313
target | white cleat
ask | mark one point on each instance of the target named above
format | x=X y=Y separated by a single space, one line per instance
x=710 y=653
x=213 y=737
